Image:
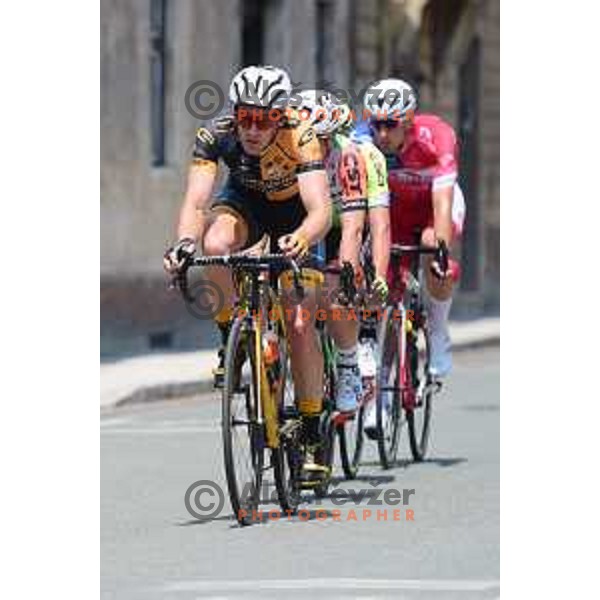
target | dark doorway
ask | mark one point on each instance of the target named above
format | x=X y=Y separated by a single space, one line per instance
x=468 y=120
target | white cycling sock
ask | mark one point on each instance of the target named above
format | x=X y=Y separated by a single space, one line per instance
x=438 y=311
x=348 y=357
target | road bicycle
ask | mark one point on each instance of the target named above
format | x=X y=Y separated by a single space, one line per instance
x=256 y=369
x=259 y=414
x=405 y=387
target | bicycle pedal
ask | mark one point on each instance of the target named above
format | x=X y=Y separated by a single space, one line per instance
x=313 y=475
x=289 y=428
x=218 y=378
x=340 y=418
x=289 y=413
x=435 y=385
x=315 y=468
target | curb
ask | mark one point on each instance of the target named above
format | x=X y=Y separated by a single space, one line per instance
x=177 y=390
x=163 y=391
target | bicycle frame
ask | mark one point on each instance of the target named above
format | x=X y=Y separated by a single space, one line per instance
x=251 y=290
x=408 y=282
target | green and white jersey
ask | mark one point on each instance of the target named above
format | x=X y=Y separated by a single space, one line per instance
x=357 y=175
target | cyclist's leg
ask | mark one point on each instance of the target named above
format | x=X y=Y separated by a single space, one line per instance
x=439 y=293
x=343 y=244
x=231 y=228
x=305 y=352
x=227 y=232
x=343 y=326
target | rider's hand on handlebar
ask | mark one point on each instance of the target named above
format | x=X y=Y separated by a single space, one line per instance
x=178 y=254
x=293 y=245
x=440 y=264
x=380 y=288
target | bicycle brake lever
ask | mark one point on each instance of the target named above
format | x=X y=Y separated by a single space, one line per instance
x=442 y=256
x=296 y=272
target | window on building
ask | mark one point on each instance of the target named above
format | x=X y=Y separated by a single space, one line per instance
x=323 y=46
x=253 y=19
x=157 y=80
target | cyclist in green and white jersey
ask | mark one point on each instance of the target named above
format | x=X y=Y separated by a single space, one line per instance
x=358 y=184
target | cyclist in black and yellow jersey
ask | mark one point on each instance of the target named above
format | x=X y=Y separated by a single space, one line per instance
x=277 y=186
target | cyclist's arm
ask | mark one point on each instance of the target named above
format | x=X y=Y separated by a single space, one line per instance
x=201 y=180
x=352 y=224
x=379 y=223
x=446 y=173
x=378 y=199
x=314 y=192
x=442 y=213
x=313 y=186
x=200 y=184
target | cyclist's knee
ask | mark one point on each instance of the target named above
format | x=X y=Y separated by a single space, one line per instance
x=218 y=240
x=300 y=323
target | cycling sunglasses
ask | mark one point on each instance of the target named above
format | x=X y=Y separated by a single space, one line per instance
x=262 y=119
x=378 y=125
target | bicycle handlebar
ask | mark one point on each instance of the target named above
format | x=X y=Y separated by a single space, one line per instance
x=441 y=252
x=239 y=261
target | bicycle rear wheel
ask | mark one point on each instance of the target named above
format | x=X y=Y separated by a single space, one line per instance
x=327 y=426
x=419 y=416
x=350 y=432
x=243 y=434
x=388 y=393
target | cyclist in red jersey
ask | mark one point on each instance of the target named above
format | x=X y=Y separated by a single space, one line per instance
x=422 y=155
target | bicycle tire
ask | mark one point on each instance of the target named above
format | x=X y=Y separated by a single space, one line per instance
x=328 y=428
x=419 y=418
x=240 y=351
x=388 y=382
x=287 y=458
x=351 y=443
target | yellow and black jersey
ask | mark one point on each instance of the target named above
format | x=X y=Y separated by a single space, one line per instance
x=273 y=175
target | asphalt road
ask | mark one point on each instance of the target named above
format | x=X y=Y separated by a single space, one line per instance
x=151 y=547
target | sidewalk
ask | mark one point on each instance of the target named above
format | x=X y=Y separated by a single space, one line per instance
x=172 y=375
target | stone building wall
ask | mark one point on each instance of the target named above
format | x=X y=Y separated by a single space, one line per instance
x=349 y=42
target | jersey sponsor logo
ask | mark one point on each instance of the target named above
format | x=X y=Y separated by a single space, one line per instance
x=307 y=137
x=205 y=136
x=410 y=178
x=425 y=134
x=351 y=173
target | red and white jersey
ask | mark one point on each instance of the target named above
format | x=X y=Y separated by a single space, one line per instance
x=427 y=161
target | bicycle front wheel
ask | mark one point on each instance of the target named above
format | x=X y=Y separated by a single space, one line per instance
x=243 y=434
x=388 y=393
x=418 y=417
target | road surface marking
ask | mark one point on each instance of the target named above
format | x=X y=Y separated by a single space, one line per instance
x=435 y=585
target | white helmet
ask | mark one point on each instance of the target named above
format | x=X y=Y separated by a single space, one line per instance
x=390 y=99
x=326 y=113
x=263 y=87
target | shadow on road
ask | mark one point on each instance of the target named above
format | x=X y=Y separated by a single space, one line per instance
x=405 y=463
